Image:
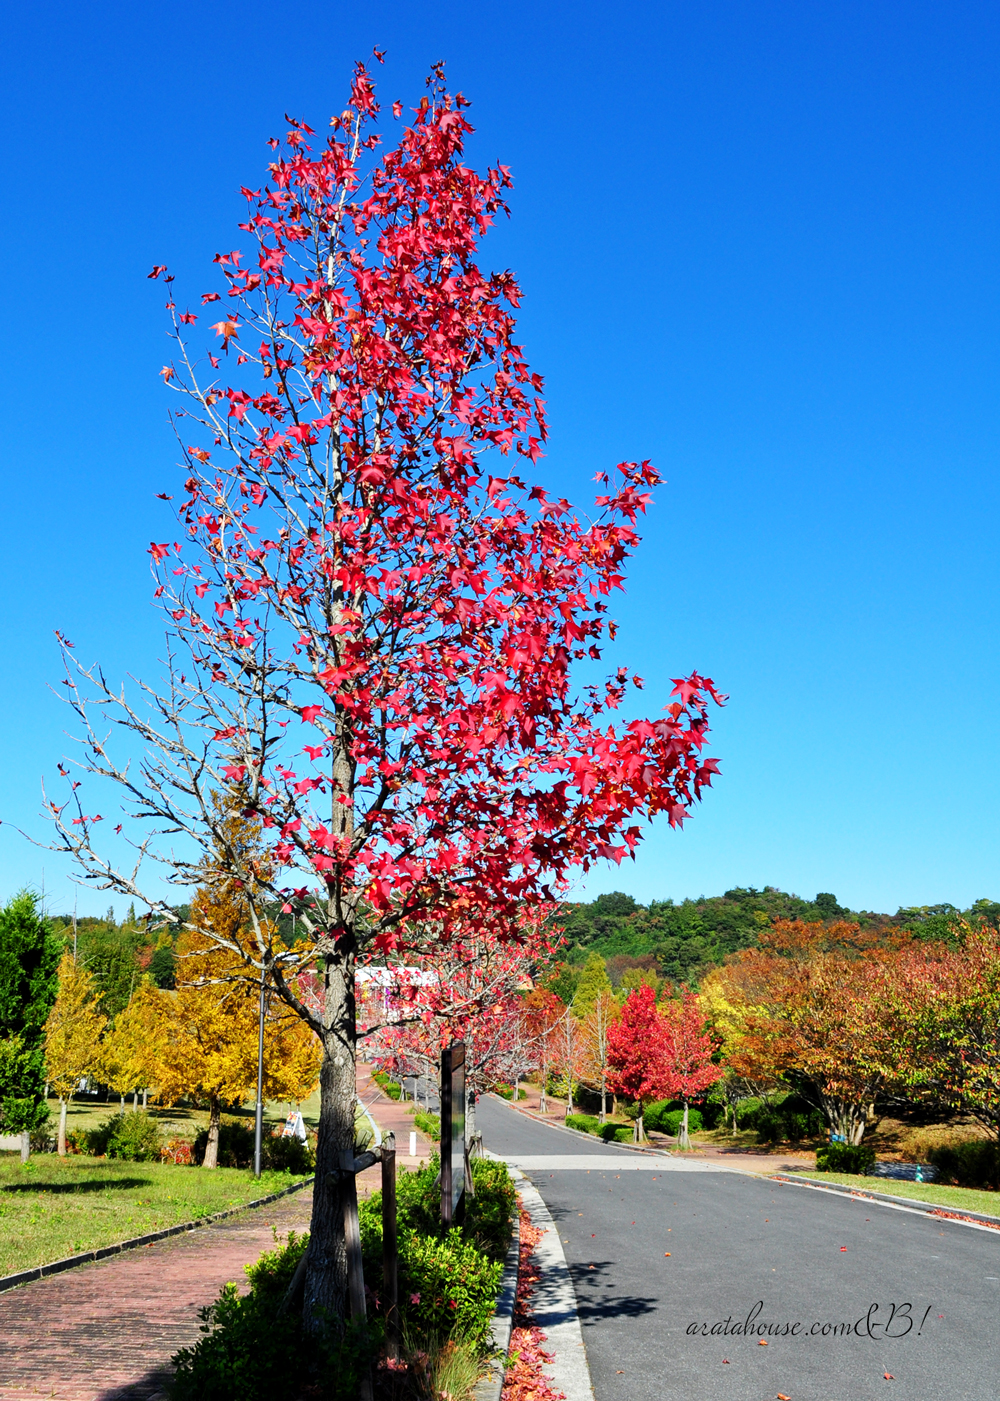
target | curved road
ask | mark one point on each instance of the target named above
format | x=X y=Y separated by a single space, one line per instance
x=844 y=1290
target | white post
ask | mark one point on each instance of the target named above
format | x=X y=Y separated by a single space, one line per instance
x=413 y=1145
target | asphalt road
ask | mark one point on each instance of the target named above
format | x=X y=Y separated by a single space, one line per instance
x=921 y=1296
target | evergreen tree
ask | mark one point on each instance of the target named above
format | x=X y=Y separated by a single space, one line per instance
x=29 y=959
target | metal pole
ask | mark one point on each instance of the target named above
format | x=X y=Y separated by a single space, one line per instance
x=259 y=1127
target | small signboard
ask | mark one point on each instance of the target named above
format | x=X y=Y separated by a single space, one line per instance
x=294 y=1127
x=452 y=1132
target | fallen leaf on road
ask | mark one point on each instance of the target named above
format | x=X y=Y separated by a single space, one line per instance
x=725 y=1362
x=843 y=1247
x=889 y=1377
x=783 y=1397
x=666 y=1254
x=762 y=1342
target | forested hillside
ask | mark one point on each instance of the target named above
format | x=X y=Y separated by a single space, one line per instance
x=680 y=941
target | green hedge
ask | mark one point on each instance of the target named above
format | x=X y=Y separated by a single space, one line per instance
x=974 y=1163
x=387 y=1085
x=430 y=1124
x=618 y=1133
x=665 y=1117
x=584 y=1123
x=845 y=1157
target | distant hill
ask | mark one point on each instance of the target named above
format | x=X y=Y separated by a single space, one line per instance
x=683 y=940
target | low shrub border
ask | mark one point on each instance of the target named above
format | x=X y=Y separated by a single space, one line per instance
x=87 y=1257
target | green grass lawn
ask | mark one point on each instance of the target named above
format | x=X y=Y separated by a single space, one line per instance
x=55 y=1207
x=952 y=1198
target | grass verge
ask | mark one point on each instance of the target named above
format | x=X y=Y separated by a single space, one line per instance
x=54 y=1207
x=953 y=1198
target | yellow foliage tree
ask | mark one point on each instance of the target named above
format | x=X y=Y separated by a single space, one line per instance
x=210 y=1023
x=133 y=1048
x=72 y=1036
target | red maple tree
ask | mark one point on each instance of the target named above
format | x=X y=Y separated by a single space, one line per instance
x=688 y=1051
x=372 y=618
x=637 y=1052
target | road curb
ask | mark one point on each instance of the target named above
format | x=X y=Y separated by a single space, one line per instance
x=89 y=1257
x=553 y=1307
x=937 y=1210
x=490 y=1386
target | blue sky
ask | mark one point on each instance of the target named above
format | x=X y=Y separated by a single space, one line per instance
x=758 y=244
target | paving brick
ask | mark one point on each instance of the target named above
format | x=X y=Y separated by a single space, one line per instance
x=106 y=1331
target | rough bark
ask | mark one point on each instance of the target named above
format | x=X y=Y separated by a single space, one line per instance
x=212 y=1146
x=326 y=1293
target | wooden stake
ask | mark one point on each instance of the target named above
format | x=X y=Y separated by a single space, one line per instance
x=390 y=1252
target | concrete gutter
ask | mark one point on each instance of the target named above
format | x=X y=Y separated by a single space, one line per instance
x=490 y=1385
x=553 y=1306
x=88 y=1257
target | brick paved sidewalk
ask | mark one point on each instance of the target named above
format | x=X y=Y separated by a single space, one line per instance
x=107 y=1331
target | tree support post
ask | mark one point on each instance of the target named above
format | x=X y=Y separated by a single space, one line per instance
x=390 y=1250
x=259 y=1122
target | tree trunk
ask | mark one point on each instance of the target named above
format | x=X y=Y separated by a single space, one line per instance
x=135 y=1100
x=121 y=1109
x=639 y=1131
x=683 y=1141
x=517 y=1088
x=545 y=1081
x=212 y=1146
x=144 y=1101
x=326 y=1294
x=847 y=1120
x=604 y=1100
x=61 y=1145
x=25 y=1145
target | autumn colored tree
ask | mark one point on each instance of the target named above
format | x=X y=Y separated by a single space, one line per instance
x=595 y=1044
x=543 y=1012
x=821 y=1007
x=688 y=1052
x=949 y=995
x=373 y=618
x=132 y=1052
x=637 y=1052
x=73 y=1033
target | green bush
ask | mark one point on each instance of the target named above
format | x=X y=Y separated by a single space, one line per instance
x=584 y=1123
x=236 y=1144
x=671 y=1119
x=133 y=1137
x=430 y=1124
x=789 y=1125
x=974 y=1163
x=386 y=1085
x=446 y=1287
x=845 y=1157
x=250 y=1350
x=287 y=1155
x=507 y=1092
x=617 y=1133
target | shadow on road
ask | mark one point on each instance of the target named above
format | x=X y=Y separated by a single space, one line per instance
x=592 y=1305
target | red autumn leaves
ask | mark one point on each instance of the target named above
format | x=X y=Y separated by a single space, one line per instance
x=660 y=1052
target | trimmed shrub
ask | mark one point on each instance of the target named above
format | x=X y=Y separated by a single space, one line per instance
x=617 y=1133
x=584 y=1123
x=670 y=1121
x=287 y=1155
x=507 y=1092
x=974 y=1163
x=386 y=1085
x=845 y=1157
